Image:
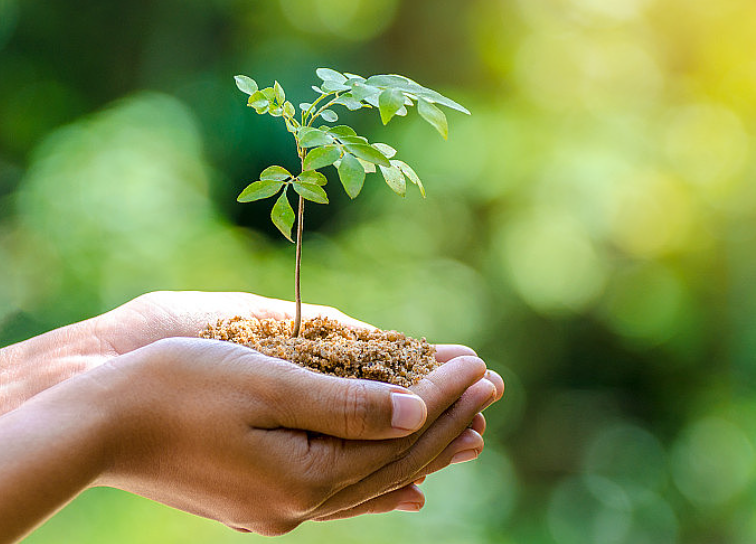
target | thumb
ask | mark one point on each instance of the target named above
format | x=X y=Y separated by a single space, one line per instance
x=349 y=408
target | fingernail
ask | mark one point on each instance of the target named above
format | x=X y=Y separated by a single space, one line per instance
x=497 y=380
x=409 y=507
x=493 y=396
x=464 y=456
x=408 y=412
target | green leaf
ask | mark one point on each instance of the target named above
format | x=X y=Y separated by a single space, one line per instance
x=259 y=101
x=311 y=176
x=317 y=90
x=368 y=167
x=327 y=74
x=289 y=110
x=283 y=216
x=311 y=191
x=352 y=175
x=259 y=190
x=313 y=137
x=437 y=98
x=279 y=93
x=351 y=103
x=406 y=85
x=342 y=130
x=353 y=139
x=304 y=106
x=411 y=175
x=395 y=179
x=360 y=91
x=389 y=81
x=388 y=151
x=434 y=116
x=389 y=102
x=329 y=116
x=333 y=87
x=368 y=153
x=247 y=85
x=321 y=157
x=275 y=173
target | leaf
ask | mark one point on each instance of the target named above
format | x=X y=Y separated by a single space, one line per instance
x=342 y=130
x=279 y=93
x=407 y=170
x=368 y=153
x=353 y=139
x=395 y=179
x=311 y=191
x=389 y=102
x=434 y=97
x=406 y=85
x=259 y=190
x=320 y=157
x=313 y=137
x=275 y=173
x=304 y=106
x=373 y=100
x=391 y=80
x=247 y=85
x=317 y=90
x=327 y=74
x=360 y=91
x=283 y=216
x=333 y=87
x=351 y=103
x=352 y=175
x=289 y=110
x=329 y=116
x=258 y=100
x=311 y=176
x=387 y=150
x=369 y=167
x=434 y=116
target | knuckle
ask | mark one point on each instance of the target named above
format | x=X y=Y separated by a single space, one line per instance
x=357 y=413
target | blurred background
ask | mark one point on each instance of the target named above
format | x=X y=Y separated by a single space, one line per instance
x=590 y=230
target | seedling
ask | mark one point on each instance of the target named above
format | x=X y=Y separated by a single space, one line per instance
x=339 y=146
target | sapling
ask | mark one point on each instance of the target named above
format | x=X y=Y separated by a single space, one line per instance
x=339 y=146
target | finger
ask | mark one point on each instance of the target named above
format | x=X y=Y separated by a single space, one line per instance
x=447 y=352
x=406 y=499
x=498 y=382
x=466 y=447
x=442 y=387
x=353 y=461
x=338 y=407
x=479 y=424
x=427 y=448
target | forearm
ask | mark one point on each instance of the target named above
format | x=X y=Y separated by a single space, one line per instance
x=52 y=448
x=31 y=366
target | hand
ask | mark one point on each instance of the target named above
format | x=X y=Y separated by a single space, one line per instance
x=30 y=367
x=221 y=431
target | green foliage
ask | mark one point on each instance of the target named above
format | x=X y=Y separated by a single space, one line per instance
x=339 y=146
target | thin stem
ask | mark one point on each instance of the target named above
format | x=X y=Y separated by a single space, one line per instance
x=297 y=271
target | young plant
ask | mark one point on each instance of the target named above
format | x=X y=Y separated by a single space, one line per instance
x=336 y=145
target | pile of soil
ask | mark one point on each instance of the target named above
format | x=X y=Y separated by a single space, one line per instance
x=329 y=347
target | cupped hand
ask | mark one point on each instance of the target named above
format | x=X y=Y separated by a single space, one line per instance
x=263 y=445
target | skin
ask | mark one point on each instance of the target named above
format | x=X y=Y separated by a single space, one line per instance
x=130 y=400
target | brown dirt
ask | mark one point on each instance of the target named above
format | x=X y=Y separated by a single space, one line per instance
x=329 y=347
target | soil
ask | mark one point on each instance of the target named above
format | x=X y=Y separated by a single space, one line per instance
x=329 y=347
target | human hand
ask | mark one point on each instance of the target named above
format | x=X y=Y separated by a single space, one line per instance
x=34 y=365
x=226 y=433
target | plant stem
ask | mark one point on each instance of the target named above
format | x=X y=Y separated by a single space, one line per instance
x=298 y=271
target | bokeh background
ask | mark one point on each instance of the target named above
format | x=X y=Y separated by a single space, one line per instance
x=590 y=230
